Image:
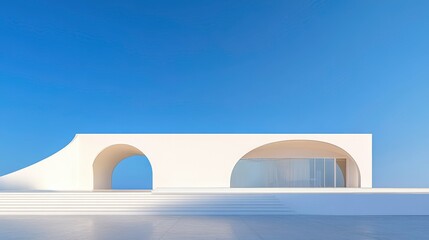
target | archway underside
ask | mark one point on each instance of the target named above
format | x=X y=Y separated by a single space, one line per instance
x=107 y=160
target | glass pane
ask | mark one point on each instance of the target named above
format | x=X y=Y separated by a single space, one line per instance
x=249 y=173
x=341 y=173
x=329 y=172
x=319 y=176
x=312 y=172
x=285 y=172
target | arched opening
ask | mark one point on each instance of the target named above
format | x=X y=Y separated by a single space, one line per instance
x=107 y=160
x=134 y=172
x=296 y=163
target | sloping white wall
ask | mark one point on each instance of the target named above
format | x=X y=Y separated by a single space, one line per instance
x=57 y=172
x=178 y=160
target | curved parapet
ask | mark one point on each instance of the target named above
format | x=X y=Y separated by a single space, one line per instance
x=56 y=172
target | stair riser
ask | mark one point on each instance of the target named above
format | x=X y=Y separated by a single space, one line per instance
x=139 y=204
x=145 y=213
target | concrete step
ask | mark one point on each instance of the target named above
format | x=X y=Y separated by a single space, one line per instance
x=139 y=203
x=169 y=213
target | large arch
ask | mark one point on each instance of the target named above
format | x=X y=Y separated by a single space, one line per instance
x=296 y=150
x=107 y=160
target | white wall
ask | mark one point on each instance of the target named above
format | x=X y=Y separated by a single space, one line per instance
x=55 y=172
x=178 y=160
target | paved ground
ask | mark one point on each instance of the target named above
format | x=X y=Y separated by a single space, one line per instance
x=214 y=227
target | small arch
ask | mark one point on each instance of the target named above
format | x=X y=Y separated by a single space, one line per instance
x=280 y=161
x=107 y=160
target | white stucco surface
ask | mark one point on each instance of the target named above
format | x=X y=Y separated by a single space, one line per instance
x=183 y=160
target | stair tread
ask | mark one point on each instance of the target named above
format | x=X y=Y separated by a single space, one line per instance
x=139 y=203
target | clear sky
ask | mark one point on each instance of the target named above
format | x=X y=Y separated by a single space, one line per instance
x=217 y=67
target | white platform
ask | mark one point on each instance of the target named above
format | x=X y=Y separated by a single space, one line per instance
x=292 y=190
x=138 y=203
x=219 y=201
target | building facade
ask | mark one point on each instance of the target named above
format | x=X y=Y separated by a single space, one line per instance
x=206 y=161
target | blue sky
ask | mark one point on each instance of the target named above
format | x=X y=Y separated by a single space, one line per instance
x=217 y=67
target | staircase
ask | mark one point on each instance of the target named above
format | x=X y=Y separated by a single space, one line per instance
x=139 y=203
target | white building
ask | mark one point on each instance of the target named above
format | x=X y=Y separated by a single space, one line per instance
x=206 y=161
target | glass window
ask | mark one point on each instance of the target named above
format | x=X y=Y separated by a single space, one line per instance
x=319 y=170
x=287 y=172
x=340 y=173
x=329 y=172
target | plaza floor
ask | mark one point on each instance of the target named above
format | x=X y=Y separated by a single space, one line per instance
x=214 y=227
